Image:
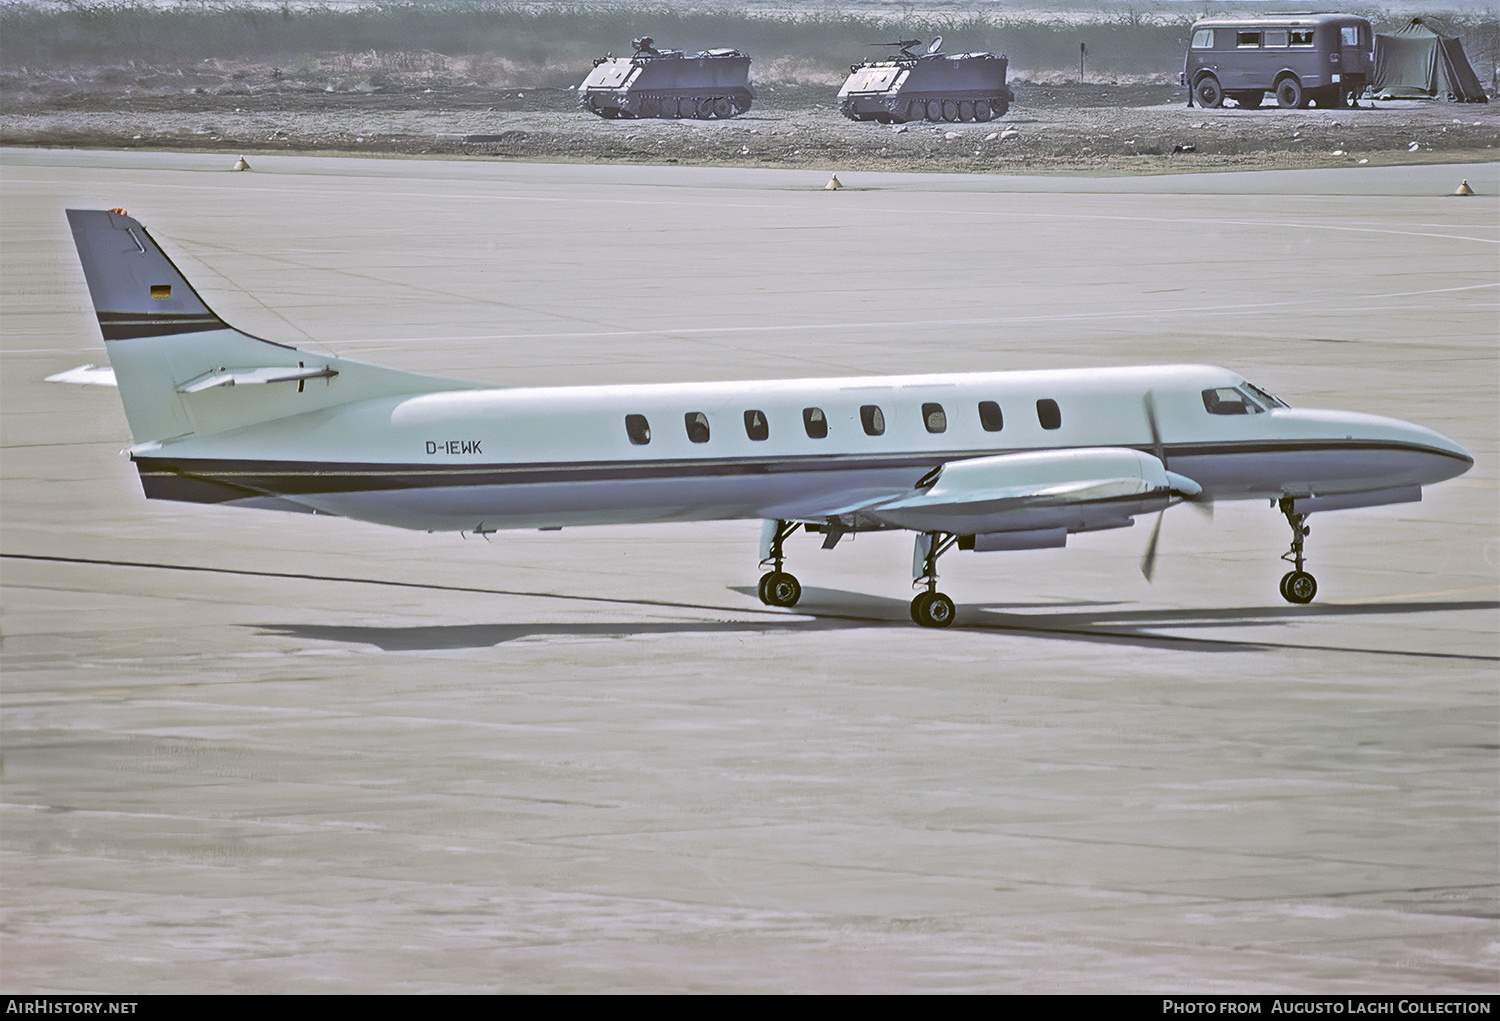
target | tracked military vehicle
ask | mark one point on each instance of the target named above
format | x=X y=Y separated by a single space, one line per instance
x=930 y=86
x=668 y=83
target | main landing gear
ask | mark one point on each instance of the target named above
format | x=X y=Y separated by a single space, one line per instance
x=1297 y=586
x=778 y=588
x=931 y=608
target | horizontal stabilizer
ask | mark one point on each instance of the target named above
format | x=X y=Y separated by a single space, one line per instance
x=89 y=374
x=243 y=377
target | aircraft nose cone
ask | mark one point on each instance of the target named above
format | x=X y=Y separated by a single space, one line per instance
x=1447 y=459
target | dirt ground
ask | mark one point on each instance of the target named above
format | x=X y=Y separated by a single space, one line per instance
x=1057 y=127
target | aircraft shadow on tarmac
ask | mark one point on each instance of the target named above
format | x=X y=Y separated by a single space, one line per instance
x=834 y=610
x=830 y=610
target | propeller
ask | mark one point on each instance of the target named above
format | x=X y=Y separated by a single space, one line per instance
x=1181 y=487
x=1148 y=402
x=1148 y=559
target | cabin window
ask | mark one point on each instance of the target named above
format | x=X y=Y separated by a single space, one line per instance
x=1247 y=40
x=1203 y=39
x=638 y=429
x=873 y=419
x=990 y=417
x=756 y=426
x=1276 y=37
x=1226 y=400
x=1349 y=35
x=815 y=422
x=1302 y=37
x=697 y=426
x=934 y=418
x=1048 y=413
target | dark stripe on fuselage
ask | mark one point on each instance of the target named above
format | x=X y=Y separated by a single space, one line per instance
x=220 y=480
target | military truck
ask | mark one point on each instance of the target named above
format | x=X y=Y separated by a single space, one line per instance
x=931 y=86
x=1326 y=59
x=668 y=84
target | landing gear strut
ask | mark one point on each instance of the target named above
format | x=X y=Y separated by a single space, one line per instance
x=778 y=588
x=931 y=608
x=1297 y=586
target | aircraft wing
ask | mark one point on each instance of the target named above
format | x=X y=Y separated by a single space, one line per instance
x=1082 y=489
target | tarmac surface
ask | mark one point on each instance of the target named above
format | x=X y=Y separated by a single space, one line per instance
x=250 y=752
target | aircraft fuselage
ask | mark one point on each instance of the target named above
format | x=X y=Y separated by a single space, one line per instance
x=565 y=456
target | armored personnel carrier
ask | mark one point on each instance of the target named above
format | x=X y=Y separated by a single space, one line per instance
x=667 y=83
x=931 y=86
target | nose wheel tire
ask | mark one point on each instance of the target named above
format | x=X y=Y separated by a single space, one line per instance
x=933 y=609
x=1298 y=587
x=780 y=589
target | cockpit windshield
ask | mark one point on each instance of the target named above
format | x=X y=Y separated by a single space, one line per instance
x=1227 y=400
x=1270 y=400
x=1245 y=399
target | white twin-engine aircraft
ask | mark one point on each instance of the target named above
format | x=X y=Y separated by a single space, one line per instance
x=977 y=461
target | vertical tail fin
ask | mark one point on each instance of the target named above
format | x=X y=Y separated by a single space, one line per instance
x=182 y=371
x=137 y=291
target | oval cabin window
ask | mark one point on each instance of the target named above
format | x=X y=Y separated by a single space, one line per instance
x=638 y=429
x=935 y=418
x=815 y=422
x=756 y=426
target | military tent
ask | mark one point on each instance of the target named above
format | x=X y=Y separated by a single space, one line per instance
x=1418 y=63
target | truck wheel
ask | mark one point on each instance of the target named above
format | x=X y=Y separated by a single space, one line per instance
x=1289 y=94
x=1208 y=92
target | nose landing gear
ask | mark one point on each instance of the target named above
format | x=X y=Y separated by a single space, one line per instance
x=1297 y=586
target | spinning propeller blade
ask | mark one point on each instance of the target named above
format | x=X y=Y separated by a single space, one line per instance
x=1183 y=489
x=1148 y=402
x=1148 y=559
